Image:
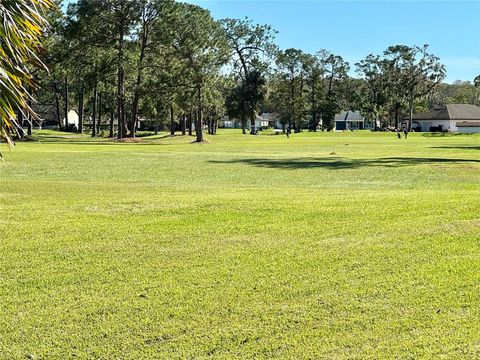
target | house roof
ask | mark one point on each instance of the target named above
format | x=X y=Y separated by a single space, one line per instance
x=268 y=117
x=349 y=116
x=451 y=112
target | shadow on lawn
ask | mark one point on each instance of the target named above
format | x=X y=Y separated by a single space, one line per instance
x=76 y=140
x=468 y=147
x=339 y=163
x=444 y=134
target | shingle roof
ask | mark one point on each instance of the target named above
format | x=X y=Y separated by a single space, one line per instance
x=451 y=112
x=268 y=117
x=463 y=112
x=349 y=116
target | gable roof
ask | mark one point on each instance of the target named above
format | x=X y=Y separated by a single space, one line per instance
x=451 y=112
x=268 y=116
x=349 y=116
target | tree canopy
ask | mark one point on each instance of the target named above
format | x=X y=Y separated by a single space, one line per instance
x=125 y=64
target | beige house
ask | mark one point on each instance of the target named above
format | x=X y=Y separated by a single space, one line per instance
x=452 y=117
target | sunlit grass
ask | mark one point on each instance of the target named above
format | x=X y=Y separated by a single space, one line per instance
x=247 y=247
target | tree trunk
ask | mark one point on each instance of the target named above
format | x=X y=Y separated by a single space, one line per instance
x=133 y=120
x=198 y=123
x=252 y=122
x=172 y=120
x=190 y=123
x=397 y=114
x=80 y=110
x=157 y=124
x=29 y=115
x=112 y=119
x=57 y=104
x=209 y=125
x=121 y=89
x=184 y=124
x=94 y=111
x=143 y=47
x=299 y=125
x=293 y=117
x=29 y=125
x=410 y=118
x=314 y=108
x=244 y=125
x=99 y=113
x=20 y=121
x=66 y=102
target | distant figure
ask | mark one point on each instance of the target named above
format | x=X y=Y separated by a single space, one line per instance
x=405 y=132
x=287 y=131
x=398 y=133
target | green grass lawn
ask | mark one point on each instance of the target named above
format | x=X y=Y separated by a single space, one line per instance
x=247 y=247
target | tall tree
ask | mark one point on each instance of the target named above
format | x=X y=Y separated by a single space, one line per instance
x=335 y=71
x=149 y=13
x=110 y=24
x=251 y=49
x=314 y=76
x=291 y=65
x=413 y=72
x=236 y=105
x=370 y=70
x=198 y=42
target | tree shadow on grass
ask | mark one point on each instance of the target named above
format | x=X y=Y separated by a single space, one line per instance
x=336 y=163
x=467 y=147
x=444 y=134
x=78 y=140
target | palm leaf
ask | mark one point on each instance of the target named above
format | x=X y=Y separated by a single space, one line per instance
x=21 y=29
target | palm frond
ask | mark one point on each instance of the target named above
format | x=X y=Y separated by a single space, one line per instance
x=22 y=27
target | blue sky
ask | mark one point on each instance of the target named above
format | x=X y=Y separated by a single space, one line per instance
x=354 y=29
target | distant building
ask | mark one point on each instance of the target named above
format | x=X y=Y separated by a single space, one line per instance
x=452 y=117
x=73 y=118
x=349 y=120
x=468 y=127
x=268 y=120
x=264 y=121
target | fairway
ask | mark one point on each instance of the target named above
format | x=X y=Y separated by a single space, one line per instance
x=321 y=246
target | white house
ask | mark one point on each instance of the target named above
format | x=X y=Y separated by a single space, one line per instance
x=468 y=127
x=73 y=118
x=263 y=121
x=452 y=117
x=267 y=120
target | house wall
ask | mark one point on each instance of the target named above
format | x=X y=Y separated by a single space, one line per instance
x=229 y=124
x=72 y=118
x=469 y=129
x=448 y=125
x=349 y=125
x=340 y=125
x=258 y=124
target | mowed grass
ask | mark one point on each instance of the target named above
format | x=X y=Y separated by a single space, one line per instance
x=247 y=247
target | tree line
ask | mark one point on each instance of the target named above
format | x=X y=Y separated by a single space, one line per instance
x=172 y=65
